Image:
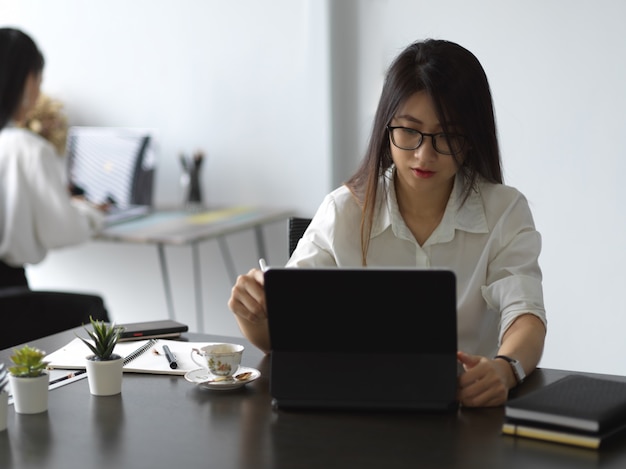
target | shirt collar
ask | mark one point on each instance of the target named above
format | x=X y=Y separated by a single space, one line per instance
x=466 y=216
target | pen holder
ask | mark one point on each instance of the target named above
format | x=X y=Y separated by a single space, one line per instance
x=190 y=181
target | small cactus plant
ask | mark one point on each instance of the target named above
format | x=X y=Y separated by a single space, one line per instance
x=105 y=338
x=28 y=362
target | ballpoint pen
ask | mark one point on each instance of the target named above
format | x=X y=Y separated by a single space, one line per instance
x=262 y=265
x=170 y=357
x=68 y=376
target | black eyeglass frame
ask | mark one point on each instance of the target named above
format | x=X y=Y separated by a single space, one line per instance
x=391 y=128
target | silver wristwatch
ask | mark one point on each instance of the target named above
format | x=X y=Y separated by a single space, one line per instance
x=516 y=366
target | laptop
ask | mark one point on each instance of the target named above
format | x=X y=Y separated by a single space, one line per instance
x=363 y=338
x=113 y=165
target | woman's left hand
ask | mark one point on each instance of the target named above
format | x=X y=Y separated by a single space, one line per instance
x=484 y=382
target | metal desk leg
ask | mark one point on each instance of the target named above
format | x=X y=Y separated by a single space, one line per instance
x=260 y=241
x=166 y=281
x=197 y=287
x=228 y=259
x=228 y=262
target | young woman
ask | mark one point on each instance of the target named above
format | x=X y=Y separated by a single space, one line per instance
x=37 y=212
x=429 y=194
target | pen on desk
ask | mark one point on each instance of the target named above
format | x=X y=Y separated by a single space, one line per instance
x=262 y=264
x=170 y=357
x=68 y=376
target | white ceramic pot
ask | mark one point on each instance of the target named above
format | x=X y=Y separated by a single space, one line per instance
x=105 y=377
x=4 y=407
x=30 y=395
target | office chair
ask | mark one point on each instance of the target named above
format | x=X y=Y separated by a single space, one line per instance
x=297 y=227
x=30 y=315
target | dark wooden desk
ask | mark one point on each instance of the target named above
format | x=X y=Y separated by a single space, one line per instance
x=162 y=421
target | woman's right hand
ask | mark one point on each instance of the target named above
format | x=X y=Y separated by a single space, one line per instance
x=247 y=302
x=247 y=299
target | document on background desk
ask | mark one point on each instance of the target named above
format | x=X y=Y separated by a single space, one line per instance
x=150 y=357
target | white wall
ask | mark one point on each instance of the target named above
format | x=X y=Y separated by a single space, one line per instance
x=557 y=72
x=245 y=81
x=250 y=83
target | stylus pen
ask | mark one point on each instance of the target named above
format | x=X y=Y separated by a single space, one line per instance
x=262 y=264
x=170 y=357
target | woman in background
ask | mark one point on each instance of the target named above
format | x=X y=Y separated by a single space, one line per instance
x=37 y=212
x=429 y=194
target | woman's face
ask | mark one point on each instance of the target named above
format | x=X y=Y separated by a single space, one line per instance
x=32 y=88
x=423 y=170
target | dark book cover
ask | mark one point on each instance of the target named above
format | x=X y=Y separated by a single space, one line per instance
x=575 y=402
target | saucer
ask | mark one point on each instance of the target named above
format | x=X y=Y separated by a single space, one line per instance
x=202 y=378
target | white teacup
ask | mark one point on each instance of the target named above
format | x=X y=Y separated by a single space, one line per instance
x=219 y=358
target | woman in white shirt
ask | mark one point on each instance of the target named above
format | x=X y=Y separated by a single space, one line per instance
x=37 y=212
x=429 y=193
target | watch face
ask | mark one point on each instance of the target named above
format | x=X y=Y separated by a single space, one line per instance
x=518 y=371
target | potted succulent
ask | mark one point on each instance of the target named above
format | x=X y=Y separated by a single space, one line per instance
x=4 y=397
x=29 y=380
x=104 y=368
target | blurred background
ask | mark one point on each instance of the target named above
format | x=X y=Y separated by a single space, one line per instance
x=280 y=94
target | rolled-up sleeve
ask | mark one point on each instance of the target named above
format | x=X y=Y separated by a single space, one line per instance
x=514 y=279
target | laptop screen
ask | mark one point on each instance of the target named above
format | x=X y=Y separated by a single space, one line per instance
x=368 y=310
x=110 y=164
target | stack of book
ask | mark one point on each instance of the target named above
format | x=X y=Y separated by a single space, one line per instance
x=576 y=410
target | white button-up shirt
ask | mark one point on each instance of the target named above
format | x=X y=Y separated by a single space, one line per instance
x=489 y=242
x=36 y=211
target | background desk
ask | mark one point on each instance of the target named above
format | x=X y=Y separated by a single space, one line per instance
x=161 y=421
x=178 y=227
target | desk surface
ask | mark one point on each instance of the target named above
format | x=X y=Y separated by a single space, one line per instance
x=181 y=227
x=162 y=421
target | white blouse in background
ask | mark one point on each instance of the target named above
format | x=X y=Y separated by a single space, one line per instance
x=36 y=211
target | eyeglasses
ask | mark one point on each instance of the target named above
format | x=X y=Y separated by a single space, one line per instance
x=411 y=139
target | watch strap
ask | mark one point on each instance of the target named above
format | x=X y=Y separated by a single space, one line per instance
x=516 y=366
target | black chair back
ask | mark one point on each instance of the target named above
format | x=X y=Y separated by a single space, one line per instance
x=297 y=227
x=30 y=315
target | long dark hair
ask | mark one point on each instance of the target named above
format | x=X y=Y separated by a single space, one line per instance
x=455 y=80
x=19 y=57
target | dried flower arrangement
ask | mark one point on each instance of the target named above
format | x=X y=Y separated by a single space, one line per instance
x=48 y=120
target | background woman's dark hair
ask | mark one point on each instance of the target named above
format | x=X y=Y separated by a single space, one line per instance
x=458 y=86
x=19 y=56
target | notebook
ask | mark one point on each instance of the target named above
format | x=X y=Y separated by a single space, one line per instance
x=143 y=356
x=165 y=328
x=576 y=410
x=362 y=338
x=113 y=165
